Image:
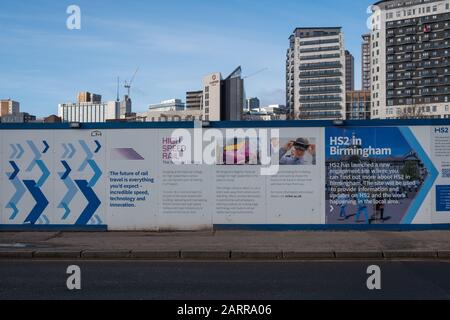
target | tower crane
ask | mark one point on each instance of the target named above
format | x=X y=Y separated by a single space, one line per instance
x=129 y=83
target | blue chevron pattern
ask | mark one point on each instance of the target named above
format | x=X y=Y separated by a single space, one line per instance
x=97 y=173
x=37 y=155
x=96 y=220
x=69 y=150
x=21 y=151
x=17 y=151
x=14 y=153
x=66 y=151
x=99 y=146
x=45 y=173
x=89 y=155
x=15 y=210
x=67 y=210
x=43 y=220
x=72 y=151
x=14 y=174
x=41 y=202
x=20 y=190
x=68 y=170
x=93 y=202
x=71 y=190
x=46 y=146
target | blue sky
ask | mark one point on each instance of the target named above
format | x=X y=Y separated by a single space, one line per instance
x=174 y=42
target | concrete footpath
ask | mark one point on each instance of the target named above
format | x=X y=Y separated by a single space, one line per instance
x=226 y=245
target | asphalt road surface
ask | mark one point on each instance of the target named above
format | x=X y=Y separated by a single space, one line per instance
x=223 y=280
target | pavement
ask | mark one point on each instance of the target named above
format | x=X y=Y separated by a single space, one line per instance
x=226 y=245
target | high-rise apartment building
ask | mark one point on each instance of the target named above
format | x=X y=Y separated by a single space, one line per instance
x=410 y=48
x=365 y=63
x=357 y=105
x=349 y=71
x=315 y=74
x=9 y=107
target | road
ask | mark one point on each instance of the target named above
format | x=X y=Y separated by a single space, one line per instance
x=223 y=280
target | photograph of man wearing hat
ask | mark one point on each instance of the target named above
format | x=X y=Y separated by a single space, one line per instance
x=298 y=152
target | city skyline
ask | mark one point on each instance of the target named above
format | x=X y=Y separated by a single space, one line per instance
x=48 y=64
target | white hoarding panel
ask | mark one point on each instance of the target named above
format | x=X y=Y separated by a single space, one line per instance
x=185 y=187
x=3 y=219
x=440 y=144
x=79 y=177
x=193 y=179
x=28 y=183
x=131 y=179
x=292 y=194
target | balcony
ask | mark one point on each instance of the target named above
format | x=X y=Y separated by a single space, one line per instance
x=320 y=98
x=439 y=91
x=392 y=76
x=405 y=58
x=428 y=65
x=410 y=67
x=321 y=56
x=319 y=82
x=431 y=84
x=320 y=106
x=317 y=42
x=318 y=74
x=318 y=90
x=429 y=74
x=321 y=65
x=430 y=19
x=403 y=42
x=320 y=115
x=399 y=95
x=320 y=49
